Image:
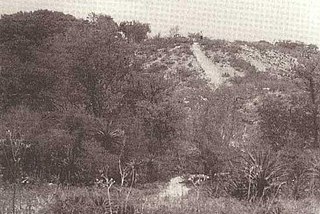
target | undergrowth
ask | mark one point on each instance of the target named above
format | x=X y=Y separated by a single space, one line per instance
x=95 y=200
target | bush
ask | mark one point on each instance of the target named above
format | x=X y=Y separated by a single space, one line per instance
x=56 y=148
x=257 y=175
x=242 y=65
x=298 y=180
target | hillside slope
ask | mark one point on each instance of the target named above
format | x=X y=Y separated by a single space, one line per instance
x=246 y=74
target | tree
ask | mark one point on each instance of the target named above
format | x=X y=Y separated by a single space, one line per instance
x=196 y=36
x=22 y=32
x=96 y=59
x=24 y=40
x=159 y=113
x=306 y=74
x=135 y=31
x=174 y=31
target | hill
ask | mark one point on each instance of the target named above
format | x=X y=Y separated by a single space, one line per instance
x=96 y=116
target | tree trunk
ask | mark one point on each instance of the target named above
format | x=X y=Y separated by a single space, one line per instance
x=314 y=114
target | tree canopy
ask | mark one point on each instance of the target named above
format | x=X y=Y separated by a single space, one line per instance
x=134 y=31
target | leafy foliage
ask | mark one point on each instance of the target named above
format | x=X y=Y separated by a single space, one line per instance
x=25 y=78
x=134 y=30
x=84 y=98
x=79 y=98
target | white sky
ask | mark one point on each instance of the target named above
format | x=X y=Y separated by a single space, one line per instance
x=225 y=19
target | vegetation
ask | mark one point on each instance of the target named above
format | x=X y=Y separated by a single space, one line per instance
x=135 y=31
x=96 y=117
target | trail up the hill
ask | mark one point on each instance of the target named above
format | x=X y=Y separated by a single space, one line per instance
x=211 y=71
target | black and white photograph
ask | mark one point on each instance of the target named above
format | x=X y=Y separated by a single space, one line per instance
x=159 y=107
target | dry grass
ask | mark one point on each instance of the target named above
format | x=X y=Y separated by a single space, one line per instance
x=27 y=200
x=147 y=201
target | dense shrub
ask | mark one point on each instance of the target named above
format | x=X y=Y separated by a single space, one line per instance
x=257 y=175
x=242 y=65
x=82 y=105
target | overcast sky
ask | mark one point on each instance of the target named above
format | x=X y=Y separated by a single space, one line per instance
x=224 y=19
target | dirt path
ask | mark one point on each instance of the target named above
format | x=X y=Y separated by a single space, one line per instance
x=175 y=189
x=212 y=71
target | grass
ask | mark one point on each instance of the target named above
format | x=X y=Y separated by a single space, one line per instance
x=27 y=199
x=147 y=201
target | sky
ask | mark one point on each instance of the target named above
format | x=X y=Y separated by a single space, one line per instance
x=252 y=20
